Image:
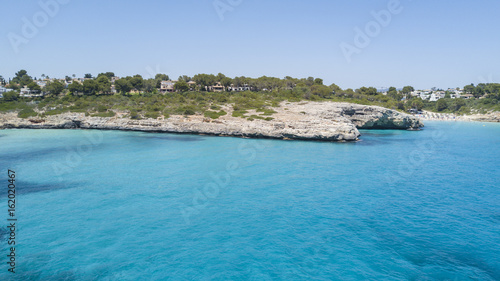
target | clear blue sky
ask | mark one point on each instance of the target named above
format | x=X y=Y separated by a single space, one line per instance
x=446 y=43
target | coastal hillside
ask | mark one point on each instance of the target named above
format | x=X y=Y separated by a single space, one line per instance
x=187 y=95
x=328 y=121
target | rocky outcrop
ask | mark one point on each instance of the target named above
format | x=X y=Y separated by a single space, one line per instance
x=307 y=121
x=362 y=116
x=375 y=117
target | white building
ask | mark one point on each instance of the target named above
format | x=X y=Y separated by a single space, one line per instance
x=431 y=95
x=425 y=95
x=437 y=96
x=25 y=92
x=242 y=88
x=41 y=83
x=4 y=90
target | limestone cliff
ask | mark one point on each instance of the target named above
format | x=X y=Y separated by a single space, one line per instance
x=306 y=120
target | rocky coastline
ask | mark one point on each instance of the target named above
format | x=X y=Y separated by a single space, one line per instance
x=324 y=121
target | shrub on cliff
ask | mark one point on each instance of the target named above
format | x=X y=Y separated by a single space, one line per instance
x=214 y=114
x=266 y=111
x=101 y=108
x=239 y=113
x=152 y=114
x=134 y=115
x=189 y=112
x=26 y=112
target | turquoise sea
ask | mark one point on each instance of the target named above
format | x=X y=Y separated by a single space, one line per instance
x=112 y=205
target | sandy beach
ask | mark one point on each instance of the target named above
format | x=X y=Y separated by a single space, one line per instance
x=426 y=115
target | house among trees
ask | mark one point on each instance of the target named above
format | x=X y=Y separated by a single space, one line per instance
x=191 y=85
x=216 y=88
x=167 y=86
x=25 y=91
x=41 y=83
x=242 y=88
x=437 y=96
x=467 y=96
x=29 y=93
x=4 y=90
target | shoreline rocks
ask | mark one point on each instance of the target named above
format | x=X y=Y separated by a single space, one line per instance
x=324 y=121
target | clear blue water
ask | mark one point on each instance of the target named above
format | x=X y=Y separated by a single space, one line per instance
x=398 y=205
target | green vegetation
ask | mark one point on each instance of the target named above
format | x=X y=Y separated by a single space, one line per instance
x=134 y=115
x=214 y=115
x=104 y=114
x=54 y=88
x=26 y=112
x=22 y=78
x=152 y=114
x=239 y=113
x=266 y=111
x=139 y=98
x=253 y=117
x=10 y=96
